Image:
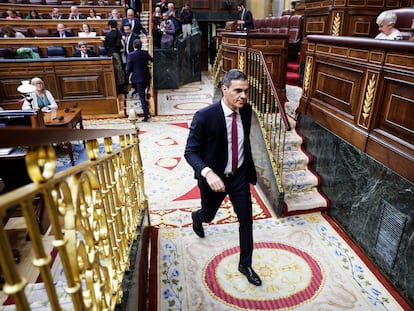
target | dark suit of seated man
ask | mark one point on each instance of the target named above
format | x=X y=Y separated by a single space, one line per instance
x=62 y=32
x=83 y=51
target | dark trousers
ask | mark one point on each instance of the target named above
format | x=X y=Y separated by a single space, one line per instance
x=140 y=87
x=238 y=189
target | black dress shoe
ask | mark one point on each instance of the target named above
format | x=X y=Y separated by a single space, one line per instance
x=251 y=276
x=197 y=226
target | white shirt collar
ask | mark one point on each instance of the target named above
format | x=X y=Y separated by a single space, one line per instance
x=227 y=111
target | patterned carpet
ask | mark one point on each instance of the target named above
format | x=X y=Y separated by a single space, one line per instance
x=304 y=261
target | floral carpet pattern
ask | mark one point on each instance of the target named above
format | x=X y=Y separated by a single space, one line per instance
x=303 y=262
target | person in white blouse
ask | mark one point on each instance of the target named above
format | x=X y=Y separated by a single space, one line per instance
x=386 y=22
x=41 y=99
x=86 y=31
x=92 y=14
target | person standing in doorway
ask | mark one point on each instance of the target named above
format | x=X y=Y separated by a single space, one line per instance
x=137 y=66
x=246 y=17
x=218 y=149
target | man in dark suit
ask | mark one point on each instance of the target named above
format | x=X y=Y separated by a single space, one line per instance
x=83 y=51
x=62 y=32
x=136 y=26
x=137 y=65
x=75 y=14
x=128 y=40
x=222 y=160
x=246 y=17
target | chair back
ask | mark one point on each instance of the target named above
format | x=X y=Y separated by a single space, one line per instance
x=102 y=51
x=55 y=51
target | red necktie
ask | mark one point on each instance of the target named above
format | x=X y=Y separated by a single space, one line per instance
x=234 y=144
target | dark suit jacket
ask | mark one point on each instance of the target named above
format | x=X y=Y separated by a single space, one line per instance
x=67 y=33
x=248 y=19
x=207 y=141
x=89 y=52
x=137 y=64
x=137 y=26
x=130 y=46
x=113 y=42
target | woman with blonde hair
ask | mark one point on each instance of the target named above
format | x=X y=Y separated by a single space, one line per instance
x=42 y=99
x=86 y=31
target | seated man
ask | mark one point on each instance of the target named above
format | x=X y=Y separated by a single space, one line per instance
x=74 y=13
x=83 y=51
x=386 y=22
x=55 y=14
x=62 y=32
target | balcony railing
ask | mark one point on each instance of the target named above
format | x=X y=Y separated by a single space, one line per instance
x=95 y=210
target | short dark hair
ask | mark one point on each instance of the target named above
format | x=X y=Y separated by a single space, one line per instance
x=112 y=23
x=240 y=4
x=137 y=44
x=233 y=74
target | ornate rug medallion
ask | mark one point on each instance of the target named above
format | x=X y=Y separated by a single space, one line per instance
x=290 y=276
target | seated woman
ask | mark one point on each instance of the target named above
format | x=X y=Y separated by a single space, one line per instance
x=33 y=14
x=92 y=14
x=86 y=31
x=41 y=98
x=9 y=32
x=386 y=21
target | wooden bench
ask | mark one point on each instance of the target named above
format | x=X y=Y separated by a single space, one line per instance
x=87 y=82
x=70 y=44
x=44 y=9
x=27 y=26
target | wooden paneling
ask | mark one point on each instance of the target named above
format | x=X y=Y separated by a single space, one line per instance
x=88 y=82
x=273 y=46
x=366 y=100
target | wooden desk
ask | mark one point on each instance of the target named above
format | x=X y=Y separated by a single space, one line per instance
x=68 y=117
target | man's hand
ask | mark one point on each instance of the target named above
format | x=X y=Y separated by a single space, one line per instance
x=215 y=182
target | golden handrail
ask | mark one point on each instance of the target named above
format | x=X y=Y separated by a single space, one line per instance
x=271 y=113
x=95 y=209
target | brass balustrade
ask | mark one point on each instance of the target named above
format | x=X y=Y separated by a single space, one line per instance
x=266 y=102
x=95 y=209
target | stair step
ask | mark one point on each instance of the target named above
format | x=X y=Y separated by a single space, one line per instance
x=293 y=141
x=300 y=180
x=295 y=160
x=303 y=201
x=293 y=67
x=292 y=78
